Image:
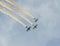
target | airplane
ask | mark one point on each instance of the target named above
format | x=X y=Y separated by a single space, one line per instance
x=36 y=19
x=28 y=28
x=35 y=26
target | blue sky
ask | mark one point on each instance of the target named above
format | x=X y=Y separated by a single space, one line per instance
x=47 y=33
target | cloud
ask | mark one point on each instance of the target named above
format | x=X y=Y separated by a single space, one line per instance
x=3 y=41
x=48 y=28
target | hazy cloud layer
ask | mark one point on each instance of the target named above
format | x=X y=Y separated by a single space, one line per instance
x=47 y=33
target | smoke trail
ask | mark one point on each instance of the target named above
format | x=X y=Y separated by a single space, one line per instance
x=26 y=19
x=23 y=9
x=7 y=13
x=6 y=6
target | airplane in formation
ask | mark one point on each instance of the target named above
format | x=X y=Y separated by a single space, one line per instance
x=3 y=5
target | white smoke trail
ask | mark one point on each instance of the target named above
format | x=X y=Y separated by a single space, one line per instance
x=20 y=7
x=8 y=7
x=13 y=17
